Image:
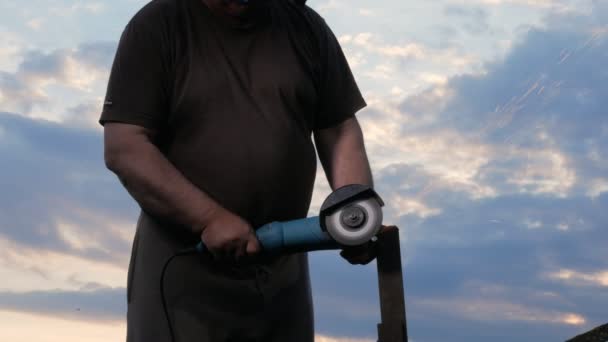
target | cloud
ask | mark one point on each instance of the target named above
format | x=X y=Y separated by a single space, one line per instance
x=85 y=115
x=57 y=194
x=41 y=75
x=99 y=304
x=407 y=51
x=17 y=326
x=557 y=6
x=12 y=44
x=477 y=18
x=92 y=7
x=493 y=310
x=581 y=278
x=30 y=268
x=531 y=123
x=597 y=187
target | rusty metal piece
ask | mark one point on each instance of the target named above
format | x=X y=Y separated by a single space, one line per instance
x=393 y=325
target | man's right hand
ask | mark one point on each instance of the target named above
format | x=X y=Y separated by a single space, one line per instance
x=229 y=237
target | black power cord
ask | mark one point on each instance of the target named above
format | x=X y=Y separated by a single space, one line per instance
x=183 y=252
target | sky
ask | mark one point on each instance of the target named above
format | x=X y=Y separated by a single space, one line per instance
x=487 y=134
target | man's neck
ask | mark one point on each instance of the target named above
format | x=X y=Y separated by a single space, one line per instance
x=229 y=10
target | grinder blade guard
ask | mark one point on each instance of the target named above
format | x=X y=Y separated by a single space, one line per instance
x=352 y=214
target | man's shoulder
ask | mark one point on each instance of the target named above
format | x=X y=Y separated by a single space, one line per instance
x=304 y=17
x=156 y=12
x=295 y=6
x=159 y=6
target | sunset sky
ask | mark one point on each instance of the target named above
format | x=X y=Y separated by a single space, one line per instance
x=486 y=129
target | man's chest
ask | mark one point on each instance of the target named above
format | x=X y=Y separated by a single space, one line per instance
x=264 y=72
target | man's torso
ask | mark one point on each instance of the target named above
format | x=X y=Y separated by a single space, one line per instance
x=241 y=113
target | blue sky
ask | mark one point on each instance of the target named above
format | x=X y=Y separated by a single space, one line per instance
x=486 y=130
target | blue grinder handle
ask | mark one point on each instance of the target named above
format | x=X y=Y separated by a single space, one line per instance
x=302 y=235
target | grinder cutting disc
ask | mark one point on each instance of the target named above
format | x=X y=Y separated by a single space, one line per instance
x=355 y=223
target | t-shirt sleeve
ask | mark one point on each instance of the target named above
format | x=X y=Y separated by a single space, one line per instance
x=137 y=91
x=339 y=95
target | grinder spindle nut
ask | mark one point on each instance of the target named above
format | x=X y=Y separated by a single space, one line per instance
x=353 y=216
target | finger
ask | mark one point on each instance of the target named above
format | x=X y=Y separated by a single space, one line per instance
x=352 y=259
x=368 y=258
x=358 y=259
x=237 y=250
x=385 y=229
x=359 y=256
x=355 y=250
x=226 y=252
x=220 y=254
x=367 y=248
x=215 y=253
x=241 y=251
x=253 y=245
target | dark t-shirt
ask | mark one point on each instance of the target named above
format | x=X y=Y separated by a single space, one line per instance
x=234 y=106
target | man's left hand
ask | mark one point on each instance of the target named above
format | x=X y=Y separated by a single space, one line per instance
x=360 y=255
x=364 y=254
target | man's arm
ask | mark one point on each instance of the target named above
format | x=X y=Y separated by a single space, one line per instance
x=158 y=187
x=342 y=154
x=161 y=190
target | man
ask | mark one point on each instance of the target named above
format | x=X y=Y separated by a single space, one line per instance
x=208 y=118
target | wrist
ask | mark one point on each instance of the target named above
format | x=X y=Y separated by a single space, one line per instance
x=206 y=216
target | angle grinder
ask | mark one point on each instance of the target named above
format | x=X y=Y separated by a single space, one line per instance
x=349 y=216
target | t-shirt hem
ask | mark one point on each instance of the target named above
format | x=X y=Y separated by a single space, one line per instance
x=131 y=118
x=351 y=113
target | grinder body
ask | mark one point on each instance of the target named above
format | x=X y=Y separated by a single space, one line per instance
x=349 y=216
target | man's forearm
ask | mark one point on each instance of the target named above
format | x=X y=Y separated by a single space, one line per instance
x=350 y=166
x=159 y=188
x=342 y=154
